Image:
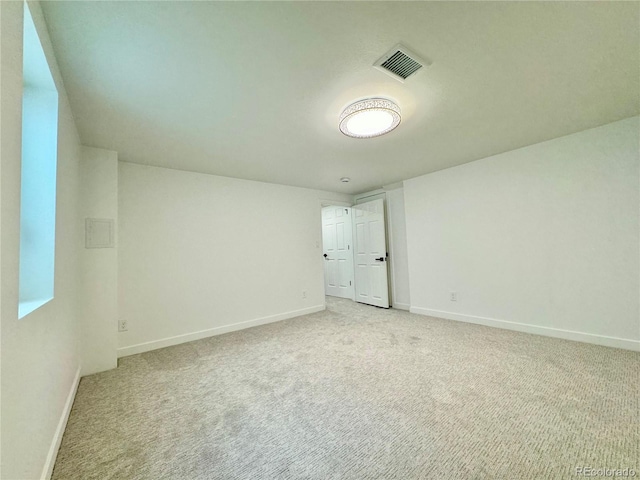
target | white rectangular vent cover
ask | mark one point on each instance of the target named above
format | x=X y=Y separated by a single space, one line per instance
x=400 y=63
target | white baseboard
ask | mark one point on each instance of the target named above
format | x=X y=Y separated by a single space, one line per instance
x=189 y=337
x=535 y=329
x=401 y=306
x=62 y=424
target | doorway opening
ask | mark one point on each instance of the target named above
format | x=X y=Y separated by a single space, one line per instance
x=355 y=252
x=337 y=244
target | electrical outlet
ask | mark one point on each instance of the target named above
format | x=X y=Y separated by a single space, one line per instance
x=123 y=326
x=453 y=296
x=304 y=294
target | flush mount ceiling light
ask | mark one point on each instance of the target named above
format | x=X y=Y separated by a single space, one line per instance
x=369 y=118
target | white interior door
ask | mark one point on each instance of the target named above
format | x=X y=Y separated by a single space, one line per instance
x=337 y=234
x=370 y=247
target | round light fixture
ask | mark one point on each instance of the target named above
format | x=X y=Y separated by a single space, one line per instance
x=369 y=118
x=345 y=179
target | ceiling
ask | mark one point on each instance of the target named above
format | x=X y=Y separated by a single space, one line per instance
x=254 y=89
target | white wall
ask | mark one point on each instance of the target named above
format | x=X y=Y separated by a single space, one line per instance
x=201 y=254
x=40 y=360
x=99 y=266
x=545 y=237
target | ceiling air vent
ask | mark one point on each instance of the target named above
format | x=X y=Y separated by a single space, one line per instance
x=400 y=62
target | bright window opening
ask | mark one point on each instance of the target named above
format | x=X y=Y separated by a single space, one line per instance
x=38 y=178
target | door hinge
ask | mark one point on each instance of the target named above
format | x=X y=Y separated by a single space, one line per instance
x=349 y=282
x=348 y=247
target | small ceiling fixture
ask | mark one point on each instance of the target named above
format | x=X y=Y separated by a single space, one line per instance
x=369 y=118
x=345 y=179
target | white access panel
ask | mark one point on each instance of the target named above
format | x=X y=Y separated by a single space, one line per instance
x=337 y=237
x=372 y=284
x=99 y=233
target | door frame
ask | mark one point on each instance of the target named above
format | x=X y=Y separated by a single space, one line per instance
x=352 y=278
x=374 y=195
x=367 y=199
x=327 y=202
x=363 y=198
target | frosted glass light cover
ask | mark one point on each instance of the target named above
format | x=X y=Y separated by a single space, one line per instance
x=369 y=118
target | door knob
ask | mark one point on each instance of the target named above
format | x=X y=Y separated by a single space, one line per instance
x=325 y=255
x=381 y=259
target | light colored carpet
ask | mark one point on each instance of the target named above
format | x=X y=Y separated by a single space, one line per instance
x=357 y=392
